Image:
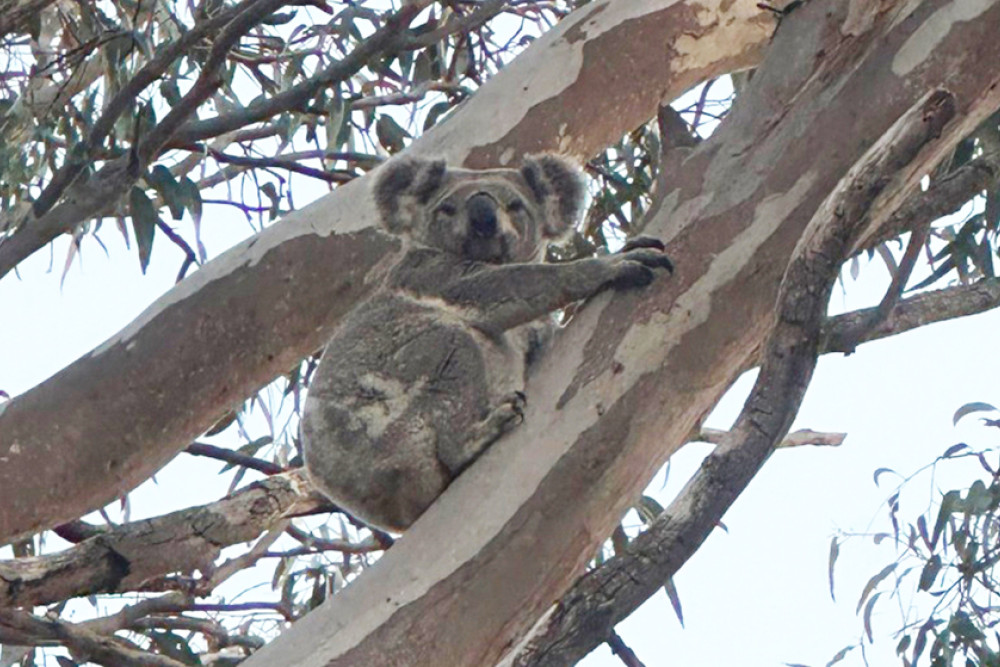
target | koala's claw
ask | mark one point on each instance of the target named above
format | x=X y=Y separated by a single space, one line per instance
x=515 y=402
x=647 y=251
x=643 y=242
x=639 y=258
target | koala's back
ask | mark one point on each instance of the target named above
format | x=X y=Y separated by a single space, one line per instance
x=401 y=385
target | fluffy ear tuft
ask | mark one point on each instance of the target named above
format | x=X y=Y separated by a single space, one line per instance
x=558 y=186
x=403 y=183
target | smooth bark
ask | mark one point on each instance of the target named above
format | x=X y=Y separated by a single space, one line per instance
x=109 y=420
x=633 y=376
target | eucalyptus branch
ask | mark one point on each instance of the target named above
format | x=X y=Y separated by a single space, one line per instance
x=587 y=615
x=391 y=37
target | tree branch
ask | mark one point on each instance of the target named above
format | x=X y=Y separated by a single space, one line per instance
x=917 y=311
x=600 y=599
x=81 y=197
x=257 y=310
x=800 y=438
x=389 y=38
x=233 y=457
x=132 y=557
x=21 y=628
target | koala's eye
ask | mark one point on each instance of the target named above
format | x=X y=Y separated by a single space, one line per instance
x=515 y=206
x=447 y=208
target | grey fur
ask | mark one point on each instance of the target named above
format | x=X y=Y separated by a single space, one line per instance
x=421 y=378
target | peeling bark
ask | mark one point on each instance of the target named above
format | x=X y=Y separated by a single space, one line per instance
x=627 y=383
x=599 y=600
x=129 y=406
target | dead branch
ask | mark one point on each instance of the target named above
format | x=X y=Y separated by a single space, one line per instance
x=133 y=556
x=800 y=438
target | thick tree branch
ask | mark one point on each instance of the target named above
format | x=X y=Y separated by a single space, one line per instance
x=88 y=571
x=257 y=310
x=133 y=556
x=644 y=371
x=917 y=311
x=586 y=616
x=944 y=196
x=21 y=628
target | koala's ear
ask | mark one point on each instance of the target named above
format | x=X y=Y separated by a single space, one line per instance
x=404 y=183
x=558 y=187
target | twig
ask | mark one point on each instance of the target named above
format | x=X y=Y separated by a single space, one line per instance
x=624 y=653
x=344 y=546
x=234 y=457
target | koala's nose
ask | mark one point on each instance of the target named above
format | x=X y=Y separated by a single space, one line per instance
x=482 y=212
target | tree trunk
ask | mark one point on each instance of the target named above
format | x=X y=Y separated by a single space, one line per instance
x=107 y=422
x=632 y=376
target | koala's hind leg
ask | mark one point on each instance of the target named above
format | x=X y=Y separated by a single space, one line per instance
x=458 y=454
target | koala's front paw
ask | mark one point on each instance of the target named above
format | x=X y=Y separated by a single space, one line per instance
x=511 y=408
x=637 y=261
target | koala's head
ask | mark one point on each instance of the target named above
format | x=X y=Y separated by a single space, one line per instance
x=490 y=215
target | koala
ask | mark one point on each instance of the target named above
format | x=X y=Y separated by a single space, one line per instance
x=421 y=378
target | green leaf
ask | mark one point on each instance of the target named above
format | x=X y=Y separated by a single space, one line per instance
x=279 y=18
x=963 y=627
x=335 y=119
x=144 y=220
x=880 y=472
x=954 y=449
x=174 y=646
x=921 y=642
x=270 y=192
x=969 y=408
x=868 y=615
x=462 y=61
x=281 y=570
x=170 y=91
x=979 y=499
x=834 y=552
x=675 y=600
x=873 y=582
x=250 y=449
x=164 y=182
x=648 y=509
x=841 y=654
x=930 y=572
x=422 y=68
x=947 y=506
x=922 y=529
x=937 y=274
x=390 y=134
x=435 y=114
x=191 y=196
